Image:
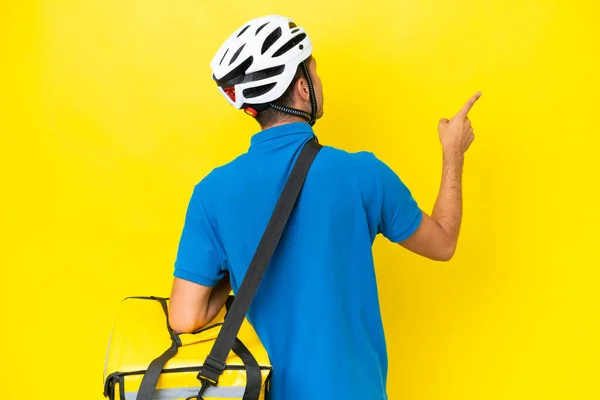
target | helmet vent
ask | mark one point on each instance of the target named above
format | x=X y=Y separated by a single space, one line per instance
x=258 y=75
x=221 y=62
x=237 y=53
x=268 y=73
x=243 y=30
x=260 y=27
x=271 y=39
x=289 y=45
x=258 y=91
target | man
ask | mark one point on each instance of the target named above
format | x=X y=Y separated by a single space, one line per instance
x=316 y=310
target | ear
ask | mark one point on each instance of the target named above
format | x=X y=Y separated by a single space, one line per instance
x=302 y=90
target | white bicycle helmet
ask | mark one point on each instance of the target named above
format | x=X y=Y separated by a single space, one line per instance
x=257 y=63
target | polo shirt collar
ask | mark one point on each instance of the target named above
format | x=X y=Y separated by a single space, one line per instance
x=280 y=131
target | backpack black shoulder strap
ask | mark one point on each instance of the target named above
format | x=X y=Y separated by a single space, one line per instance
x=215 y=362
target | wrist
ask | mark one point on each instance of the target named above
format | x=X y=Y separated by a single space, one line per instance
x=453 y=156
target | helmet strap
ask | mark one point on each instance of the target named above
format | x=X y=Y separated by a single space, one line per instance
x=313 y=98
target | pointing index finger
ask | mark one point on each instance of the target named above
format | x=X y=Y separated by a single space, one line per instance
x=468 y=105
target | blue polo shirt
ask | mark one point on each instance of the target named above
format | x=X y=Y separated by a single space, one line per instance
x=317 y=309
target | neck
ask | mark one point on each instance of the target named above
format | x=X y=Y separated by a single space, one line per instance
x=288 y=119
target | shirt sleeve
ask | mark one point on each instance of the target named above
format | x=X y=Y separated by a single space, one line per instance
x=400 y=215
x=198 y=258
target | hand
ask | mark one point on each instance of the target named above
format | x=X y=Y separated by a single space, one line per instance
x=456 y=134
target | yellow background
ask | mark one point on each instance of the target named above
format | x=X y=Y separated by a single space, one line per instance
x=109 y=117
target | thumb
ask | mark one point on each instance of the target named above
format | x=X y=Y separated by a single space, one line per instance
x=443 y=121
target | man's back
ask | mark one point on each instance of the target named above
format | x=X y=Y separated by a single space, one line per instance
x=317 y=309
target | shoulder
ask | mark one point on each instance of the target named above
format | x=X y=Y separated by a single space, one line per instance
x=363 y=165
x=359 y=159
x=214 y=181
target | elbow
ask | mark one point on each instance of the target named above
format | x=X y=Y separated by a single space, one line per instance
x=182 y=324
x=445 y=257
x=446 y=252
